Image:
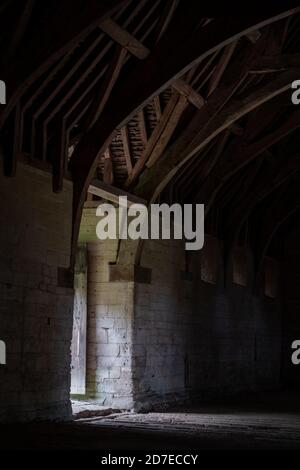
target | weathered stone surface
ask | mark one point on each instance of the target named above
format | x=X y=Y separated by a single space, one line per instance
x=35 y=310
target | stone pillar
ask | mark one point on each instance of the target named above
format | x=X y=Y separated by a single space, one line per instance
x=109 y=321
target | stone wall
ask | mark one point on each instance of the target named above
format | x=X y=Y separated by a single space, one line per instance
x=109 y=321
x=291 y=306
x=35 y=300
x=200 y=339
x=185 y=334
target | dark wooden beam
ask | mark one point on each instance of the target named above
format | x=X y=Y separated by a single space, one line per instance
x=124 y=39
x=57 y=32
x=19 y=30
x=191 y=50
x=271 y=178
x=142 y=126
x=168 y=131
x=107 y=85
x=153 y=140
x=165 y=18
x=126 y=147
x=111 y=193
x=108 y=173
x=58 y=157
x=186 y=90
x=192 y=140
x=276 y=63
x=220 y=68
x=239 y=155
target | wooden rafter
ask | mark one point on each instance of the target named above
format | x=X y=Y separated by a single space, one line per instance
x=58 y=151
x=108 y=174
x=125 y=39
x=152 y=142
x=166 y=18
x=126 y=147
x=273 y=177
x=50 y=47
x=186 y=90
x=142 y=125
x=111 y=193
x=193 y=140
x=168 y=131
x=20 y=29
x=192 y=49
x=110 y=79
x=240 y=156
x=276 y=63
x=136 y=48
x=157 y=107
x=220 y=68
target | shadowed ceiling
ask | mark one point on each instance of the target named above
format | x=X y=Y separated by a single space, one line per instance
x=161 y=100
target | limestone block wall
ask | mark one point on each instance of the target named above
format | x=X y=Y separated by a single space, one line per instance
x=183 y=335
x=161 y=329
x=236 y=345
x=291 y=306
x=198 y=339
x=109 y=322
x=35 y=301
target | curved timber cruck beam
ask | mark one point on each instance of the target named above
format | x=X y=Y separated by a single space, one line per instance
x=160 y=174
x=161 y=67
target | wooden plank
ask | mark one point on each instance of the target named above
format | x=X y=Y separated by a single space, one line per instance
x=253 y=36
x=165 y=18
x=245 y=154
x=128 y=41
x=276 y=63
x=218 y=100
x=152 y=140
x=108 y=174
x=51 y=96
x=157 y=107
x=79 y=336
x=242 y=156
x=143 y=129
x=58 y=157
x=125 y=39
x=110 y=79
x=126 y=147
x=186 y=90
x=203 y=70
x=220 y=69
x=168 y=131
x=20 y=29
x=111 y=193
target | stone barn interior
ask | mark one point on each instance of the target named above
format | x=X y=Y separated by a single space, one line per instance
x=121 y=343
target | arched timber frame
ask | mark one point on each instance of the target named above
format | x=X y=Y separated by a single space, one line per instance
x=161 y=68
x=196 y=104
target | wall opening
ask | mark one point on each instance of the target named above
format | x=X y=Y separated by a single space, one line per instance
x=79 y=339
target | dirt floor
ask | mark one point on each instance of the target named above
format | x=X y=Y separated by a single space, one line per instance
x=266 y=422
